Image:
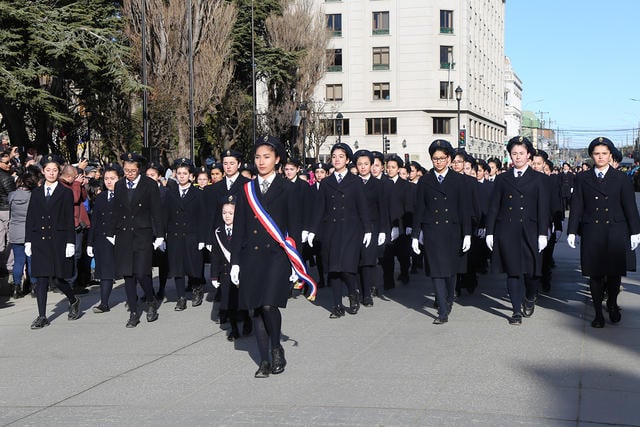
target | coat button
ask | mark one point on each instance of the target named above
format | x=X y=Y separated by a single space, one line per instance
x=268 y=245
x=436 y=211
x=596 y=197
x=607 y=222
x=606 y=209
x=255 y=231
x=596 y=221
x=510 y=196
x=522 y=196
x=521 y=208
x=255 y=248
x=436 y=222
x=597 y=209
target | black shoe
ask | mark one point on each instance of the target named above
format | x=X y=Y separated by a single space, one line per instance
x=374 y=291
x=367 y=301
x=233 y=334
x=74 y=310
x=101 y=308
x=247 y=327
x=17 y=293
x=516 y=319
x=40 y=322
x=354 y=305
x=278 y=361
x=181 y=304
x=264 y=370
x=404 y=279
x=598 y=322
x=440 y=320
x=152 y=311
x=614 y=314
x=160 y=296
x=337 y=312
x=198 y=292
x=528 y=306
x=133 y=320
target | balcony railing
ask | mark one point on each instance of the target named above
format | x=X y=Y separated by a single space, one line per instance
x=380 y=32
x=336 y=33
x=446 y=30
x=334 y=68
x=380 y=66
x=447 y=65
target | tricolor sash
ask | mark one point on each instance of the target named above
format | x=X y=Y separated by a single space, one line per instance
x=286 y=243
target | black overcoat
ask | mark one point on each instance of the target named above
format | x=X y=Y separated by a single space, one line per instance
x=378 y=217
x=518 y=213
x=443 y=214
x=341 y=219
x=605 y=212
x=103 y=250
x=185 y=222
x=264 y=267
x=214 y=196
x=221 y=267
x=49 y=227
x=136 y=222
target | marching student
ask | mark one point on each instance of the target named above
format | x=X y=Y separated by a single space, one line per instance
x=517 y=222
x=604 y=213
x=342 y=223
x=260 y=260
x=50 y=239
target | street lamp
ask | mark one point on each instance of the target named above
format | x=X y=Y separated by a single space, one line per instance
x=303 y=115
x=458 y=98
x=339 y=117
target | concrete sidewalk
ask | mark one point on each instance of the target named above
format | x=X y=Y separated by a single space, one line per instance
x=388 y=365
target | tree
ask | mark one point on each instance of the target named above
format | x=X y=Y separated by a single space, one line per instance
x=168 y=65
x=56 y=59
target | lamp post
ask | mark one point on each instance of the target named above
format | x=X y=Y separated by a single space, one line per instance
x=145 y=83
x=303 y=115
x=339 y=117
x=458 y=98
x=191 y=108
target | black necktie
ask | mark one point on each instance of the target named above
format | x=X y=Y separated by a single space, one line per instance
x=364 y=181
x=184 y=192
x=519 y=174
x=440 y=179
x=600 y=175
x=339 y=178
x=48 y=196
x=130 y=185
x=110 y=196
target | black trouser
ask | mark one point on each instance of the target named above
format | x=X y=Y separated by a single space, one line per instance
x=597 y=286
x=267 y=322
x=336 y=280
x=367 y=280
x=130 y=290
x=42 y=288
x=520 y=287
x=398 y=248
x=106 y=286
x=445 y=288
x=180 y=284
x=547 y=262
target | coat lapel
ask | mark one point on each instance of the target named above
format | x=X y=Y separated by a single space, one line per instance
x=432 y=181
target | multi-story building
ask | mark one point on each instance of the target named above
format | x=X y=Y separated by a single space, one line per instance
x=512 y=101
x=394 y=67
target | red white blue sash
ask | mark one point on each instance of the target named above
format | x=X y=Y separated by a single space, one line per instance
x=287 y=243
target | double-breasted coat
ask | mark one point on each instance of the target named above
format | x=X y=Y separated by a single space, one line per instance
x=221 y=268
x=603 y=211
x=341 y=219
x=50 y=227
x=136 y=222
x=518 y=213
x=378 y=217
x=103 y=250
x=264 y=266
x=185 y=222
x=443 y=214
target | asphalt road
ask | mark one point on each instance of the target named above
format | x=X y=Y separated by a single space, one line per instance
x=388 y=365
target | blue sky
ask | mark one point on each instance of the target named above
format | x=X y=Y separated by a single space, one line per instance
x=582 y=59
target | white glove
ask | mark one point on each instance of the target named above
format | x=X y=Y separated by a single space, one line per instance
x=366 y=239
x=542 y=243
x=294 y=276
x=489 y=240
x=482 y=233
x=310 y=238
x=209 y=247
x=90 y=251
x=571 y=240
x=395 y=233
x=69 y=250
x=381 y=238
x=162 y=247
x=305 y=235
x=408 y=231
x=558 y=233
x=415 y=245
x=215 y=283
x=112 y=240
x=572 y=191
x=200 y=246
x=235 y=274
x=421 y=238
x=635 y=240
x=158 y=242
x=466 y=243
x=27 y=248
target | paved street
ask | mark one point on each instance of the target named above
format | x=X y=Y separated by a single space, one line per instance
x=388 y=365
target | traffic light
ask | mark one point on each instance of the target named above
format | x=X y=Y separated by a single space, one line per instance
x=462 y=138
x=387 y=144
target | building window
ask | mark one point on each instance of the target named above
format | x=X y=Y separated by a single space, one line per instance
x=334 y=93
x=446 y=90
x=333 y=126
x=334 y=59
x=441 y=125
x=382 y=126
x=380 y=23
x=380 y=58
x=381 y=91
x=446 y=21
x=446 y=57
x=334 y=24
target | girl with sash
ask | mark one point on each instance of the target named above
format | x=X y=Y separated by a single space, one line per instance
x=265 y=212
